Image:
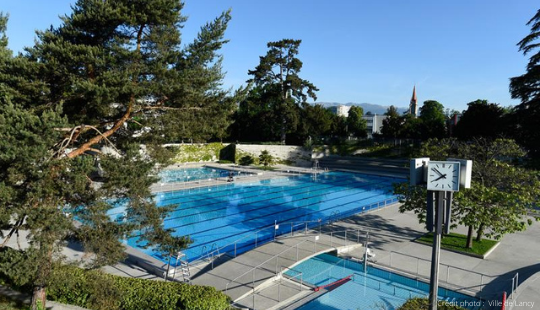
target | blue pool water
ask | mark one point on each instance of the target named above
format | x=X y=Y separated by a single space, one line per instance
x=218 y=216
x=194 y=174
x=378 y=289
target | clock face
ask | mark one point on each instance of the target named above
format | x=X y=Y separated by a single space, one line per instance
x=443 y=176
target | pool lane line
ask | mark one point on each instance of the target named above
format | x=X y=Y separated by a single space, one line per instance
x=265 y=237
x=295 y=216
x=315 y=197
x=224 y=205
x=270 y=235
x=284 y=212
x=285 y=180
x=291 y=192
x=257 y=192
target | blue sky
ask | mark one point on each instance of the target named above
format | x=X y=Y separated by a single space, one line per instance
x=354 y=50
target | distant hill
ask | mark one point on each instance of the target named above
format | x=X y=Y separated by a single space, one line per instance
x=368 y=107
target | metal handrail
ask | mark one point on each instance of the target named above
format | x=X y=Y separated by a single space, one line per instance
x=235 y=242
x=231 y=243
x=263 y=263
x=299 y=274
x=482 y=275
x=380 y=281
x=515 y=284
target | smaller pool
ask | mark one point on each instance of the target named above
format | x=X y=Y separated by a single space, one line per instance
x=376 y=289
x=195 y=174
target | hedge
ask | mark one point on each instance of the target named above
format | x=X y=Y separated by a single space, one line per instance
x=93 y=289
x=96 y=290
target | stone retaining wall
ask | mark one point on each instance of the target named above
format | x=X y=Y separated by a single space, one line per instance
x=297 y=155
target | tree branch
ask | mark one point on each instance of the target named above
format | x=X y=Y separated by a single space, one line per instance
x=14 y=229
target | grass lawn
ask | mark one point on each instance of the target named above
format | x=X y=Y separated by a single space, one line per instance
x=457 y=242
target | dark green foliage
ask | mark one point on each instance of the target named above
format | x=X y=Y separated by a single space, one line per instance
x=525 y=87
x=279 y=89
x=356 y=124
x=433 y=120
x=266 y=159
x=315 y=122
x=423 y=304
x=96 y=290
x=246 y=160
x=227 y=154
x=74 y=110
x=6 y=303
x=392 y=125
x=482 y=119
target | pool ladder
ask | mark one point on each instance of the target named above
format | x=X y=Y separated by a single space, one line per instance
x=184 y=267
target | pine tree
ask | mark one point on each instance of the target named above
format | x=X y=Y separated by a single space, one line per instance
x=110 y=69
x=525 y=87
x=277 y=75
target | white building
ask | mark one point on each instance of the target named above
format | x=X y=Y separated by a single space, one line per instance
x=340 y=110
x=374 y=124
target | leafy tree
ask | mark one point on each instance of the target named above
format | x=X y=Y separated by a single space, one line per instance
x=433 y=120
x=110 y=69
x=356 y=124
x=525 y=87
x=315 y=122
x=501 y=197
x=277 y=74
x=338 y=126
x=392 y=124
x=412 y=128
x=256 y=117
x=481 y=119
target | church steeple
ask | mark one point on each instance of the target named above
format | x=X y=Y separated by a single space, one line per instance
x=413 y=106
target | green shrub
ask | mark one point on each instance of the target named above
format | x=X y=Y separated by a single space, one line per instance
x=265 y=158
x=246 y=160
x=423 y=304
x=96 y=290
x=68 y=285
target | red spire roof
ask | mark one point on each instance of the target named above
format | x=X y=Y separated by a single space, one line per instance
x=413 y=99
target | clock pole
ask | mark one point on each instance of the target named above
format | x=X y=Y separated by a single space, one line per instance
x=436 y=252
x=442 y=179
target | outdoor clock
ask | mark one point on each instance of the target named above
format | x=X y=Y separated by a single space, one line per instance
x=443 y=176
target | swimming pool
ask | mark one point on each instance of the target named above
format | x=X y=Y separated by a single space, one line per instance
x=376 y=289
x=217 y=216
x=195 y=174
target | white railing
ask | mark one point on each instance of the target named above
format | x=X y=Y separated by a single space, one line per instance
x=515 y=284
x=276 y=257
x=210 y=255
x=469 y=281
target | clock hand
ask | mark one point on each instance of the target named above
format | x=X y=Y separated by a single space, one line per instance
x=436 y=170
x=441 y=177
